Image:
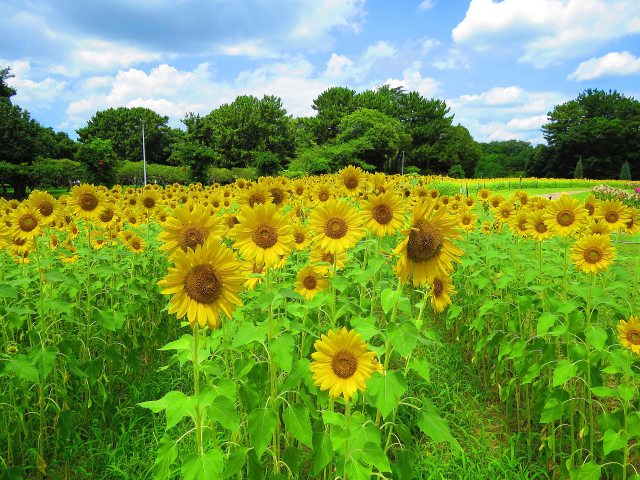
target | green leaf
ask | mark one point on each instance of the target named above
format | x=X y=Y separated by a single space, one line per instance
x=43 y=359
x=282 y=349
x=386 y=391
x=545 y=322
x=613 y=440
x=356 y=471
x=322 y=451
x=296 y=419
x=604 y=392
x=433 y=425
x=7 y=291
x=564 y=370
x=23 y=368
x=57 y=276
x=373 y=455
x=262 y=424
x=248 y=333
x=223 y=410
x=176 y=404
x=554 y=406
x=403 y=468
x=421 y=367
x=388 y=298
x=205 y=467
x=597 y=337
x=404 y=337
x=183 y=343
x=235 y=462
x=587 y=471
x=167 y=454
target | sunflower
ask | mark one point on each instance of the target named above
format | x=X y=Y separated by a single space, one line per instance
x=107 y=216
x=591 y=204
x=537 y=227
x=26 y=222
x=186 y=229
x=321 y=193
x=597 y=226
x=614 y=213
x=384 y=214
x=467 y=220
x=149 y=200
x=353 y=179
x=440 y=291
x=254 y=274
x=204 y=283
x=68 y=252
x=324 y=260
x=633 y=225
x=504 y=211
x=486 y=228
x=278 y=192
x=46 y=204
x=87 y=201
x=301 y=236
x=337 y=226
x=263 y=236
x=565 y=216
x=495 y=201
x=520 y=223
x=629 y=334
x=342 y=363
x=593 y=253
x=427 y=249
x=136 y=244
x=484 y=194
x=98 y=241
x=256 y=195
x=310 y=281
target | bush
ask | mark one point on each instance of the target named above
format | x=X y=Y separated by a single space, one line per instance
x=248 y=173
x=50 y=172
x=219 y=175
x=412 y=170
x=130 y=173
x=100 y=161
x=456 y=171
x=310 y=161
x=266 y=163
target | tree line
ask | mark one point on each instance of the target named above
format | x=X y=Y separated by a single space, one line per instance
x=385 y=129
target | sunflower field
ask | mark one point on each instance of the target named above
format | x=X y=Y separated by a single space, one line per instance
x=282 y=329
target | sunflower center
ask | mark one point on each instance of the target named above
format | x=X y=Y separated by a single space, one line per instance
x=335 y=228
x=256 y=198
x=299 y=237
x=45 y=208
x=565 y=218
x=264 y=236
x=328 y=257
x=466 y=220
x=232 y=221
x=149 y=202
x=351 y=182
x=277 y=196
x=424 y=243
x=107 y=215
x=505 y=213
x=590 y=208
x=611 y=217
x=191 y=237
x=135 y=244
x=88 y=201
x=28 y=222
x=541 y=227
x=310 y=282
x=438 y=287
x=344 y=364
x=382 y=214
x=323 y=196
x=203 y=284
x=634 y=337
x=593 y=255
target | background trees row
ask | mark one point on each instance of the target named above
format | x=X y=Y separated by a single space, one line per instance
x=384 y=129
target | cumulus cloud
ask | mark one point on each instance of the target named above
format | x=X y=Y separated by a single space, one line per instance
x=42 y=92
x=342 y=68
x=412 y=80
x=549 y=31
x=613 y=64
x=429 y=44
x=453 y=60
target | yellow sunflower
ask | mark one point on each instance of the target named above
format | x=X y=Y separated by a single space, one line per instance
x=440 y=291
x=46 y=204
x=427 y=249
x=204 y=283
x=342 y=363
x=254 y=274
x=149 y=200
x=310 y=281
x=86 y=201
x=324 y=260
x=633 y=225
x=301 y=236
x=504 y=210
x=467 y=220
x=593 y=253
x=384 y=214
x=321 y=193
x=337 y=226
x=484 y=194
x=263 y=235
x=537 y=227
x=187 y=229
x=353 y=179
x=26 y=222
x=136 y=244
x=591 y=204
x=629 y=334
x=256 y=195
x=565 y=216
x=519 y=223
x=597 y=226
x=614 y=213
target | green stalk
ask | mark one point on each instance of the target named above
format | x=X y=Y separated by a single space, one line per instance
x=196 y=389
x=588 y=347
x=347 y=415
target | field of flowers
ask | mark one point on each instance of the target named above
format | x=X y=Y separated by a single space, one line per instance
x=287 y=329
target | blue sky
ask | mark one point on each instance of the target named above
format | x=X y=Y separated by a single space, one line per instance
x=499 y=65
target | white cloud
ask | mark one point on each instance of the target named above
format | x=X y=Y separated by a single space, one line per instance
x=318 y=17
x=549 y=31
x=429 y=44
x=251 y=48
x=380 y=49
x=426 y=5
x=412 y=80
x=454 y=60
x=342 y=68
x=612 y=64
x=42 y=92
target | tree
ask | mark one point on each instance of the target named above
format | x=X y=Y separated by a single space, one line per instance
x=579 y=171
x=6 y=92
x=331 y=106
x=123 y=126
x=503 y=158
x=601 y=127
x=100 y=160
x=625 y=171
x=196 y=156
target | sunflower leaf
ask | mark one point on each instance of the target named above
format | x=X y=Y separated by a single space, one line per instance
x=322 y=451
x=262 y=424
x=437 y=428
x=386 y=391
x=296 y=419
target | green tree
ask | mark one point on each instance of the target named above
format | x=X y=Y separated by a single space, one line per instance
x=579 y=171
x=602 y=127
x=503 y=158
x=331 y=106
x=196 y=156
x=625 y=171
x=6 y=92
x=123 y=126
x=100 y=160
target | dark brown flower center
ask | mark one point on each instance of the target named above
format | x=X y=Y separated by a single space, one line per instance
x=88 y=201
x=107 y=215
x=634 y=337
x=329 y=258
x=264 y=236
x=149 y=202
x=28 y=222
x=382 y=214
x=590 y=208
x=593 y=255
x=135 y=245
x=540 y=227
x=335 y=228
x=232 y=221
x=425 y=242
x=256 y=198
x=611 y=217
x=299 y=237
x=565 y=218
x=277 y=195
x=351 y=182
x=466 y=220
x=191 y=237
x=310 y=282
x=438 y=287
x=344 y=364
x=45 y=208
x=203 y=284
x=323 y=196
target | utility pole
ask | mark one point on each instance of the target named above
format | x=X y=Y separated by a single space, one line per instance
x=402 y=164
x=144 y=158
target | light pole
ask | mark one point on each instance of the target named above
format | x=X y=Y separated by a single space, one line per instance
x=144 y=158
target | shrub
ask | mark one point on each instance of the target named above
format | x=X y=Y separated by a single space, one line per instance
x=456 y=171
x=51 y=172
x=130 y=173
x=219 y=175
x=100 y=161
x=248 y=173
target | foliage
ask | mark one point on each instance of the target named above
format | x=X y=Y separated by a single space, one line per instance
x=456 y=171
x=100 y=161
x=6 y=92
x=130 y=173
x=625 y=171
x=195 y=156
x=266 y=163
x=503 y=159
x=579 y=171
x=310 y=161
x=52 y=172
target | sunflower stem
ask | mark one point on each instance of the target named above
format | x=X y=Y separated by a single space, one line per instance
x=196 y=389
x=347 y=416
x=588 y=347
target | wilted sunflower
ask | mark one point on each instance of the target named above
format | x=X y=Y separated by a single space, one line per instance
x=614 y=213
x=46 y=204
x=263 y=235
x=337 y=226
x=342 y=363
x=427 y=249
x=440 y=291
x=309 y=281
x=593 y=253
x=565 y=216
x=629 y=334
x=26 y=222
x=186 y=229
x=204 y=284
x=384 y=214
x=86 y=201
